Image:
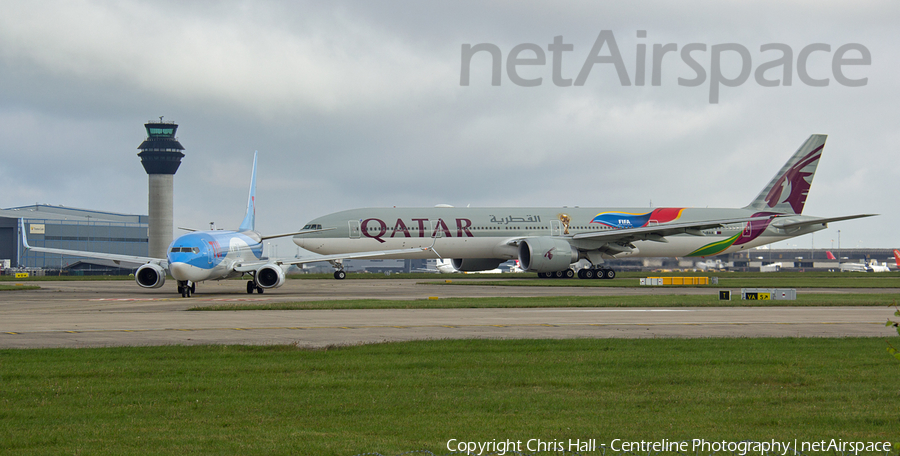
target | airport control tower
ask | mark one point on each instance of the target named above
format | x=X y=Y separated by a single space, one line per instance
x=161 y=155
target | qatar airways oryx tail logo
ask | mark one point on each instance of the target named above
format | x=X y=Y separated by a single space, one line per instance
x=793 y=186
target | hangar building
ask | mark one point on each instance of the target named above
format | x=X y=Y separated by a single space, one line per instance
x=73 y=229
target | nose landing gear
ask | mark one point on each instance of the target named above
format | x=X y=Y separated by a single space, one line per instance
x=186 y=288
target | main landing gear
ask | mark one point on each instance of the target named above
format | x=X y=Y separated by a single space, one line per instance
x=186 y=288
x=340 y=274
x=251 y=285
x=589 y=273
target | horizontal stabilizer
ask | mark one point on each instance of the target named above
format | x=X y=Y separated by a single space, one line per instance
x=787 y=225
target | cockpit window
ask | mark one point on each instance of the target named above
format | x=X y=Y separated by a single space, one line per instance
x=185 y=249
x=312 y=226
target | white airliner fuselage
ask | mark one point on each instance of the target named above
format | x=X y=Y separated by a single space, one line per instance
x=549 y=240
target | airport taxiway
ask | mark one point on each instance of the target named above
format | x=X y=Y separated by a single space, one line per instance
x=118 y=313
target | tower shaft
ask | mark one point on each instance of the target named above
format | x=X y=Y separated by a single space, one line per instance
x=160 y=226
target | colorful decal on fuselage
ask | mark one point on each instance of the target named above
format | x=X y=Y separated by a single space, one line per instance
x=622 y=220
x=751 y=231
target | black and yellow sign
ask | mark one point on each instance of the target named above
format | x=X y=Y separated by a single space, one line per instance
x=754 y=296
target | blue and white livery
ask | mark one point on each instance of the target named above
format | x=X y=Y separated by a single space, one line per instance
x=218 y=254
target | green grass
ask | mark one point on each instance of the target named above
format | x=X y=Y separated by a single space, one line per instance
x=66 y=278
x=770 y=281
x=710 y=300
x=392 y=398
x=18 y=287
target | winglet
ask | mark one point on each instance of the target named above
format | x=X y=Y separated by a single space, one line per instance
x=786 y=192
x=249 y=223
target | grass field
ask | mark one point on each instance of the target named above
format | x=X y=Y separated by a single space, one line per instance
x=18 y=287
x=393 y=398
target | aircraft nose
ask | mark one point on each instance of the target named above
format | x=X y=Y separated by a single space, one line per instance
x=184 y=271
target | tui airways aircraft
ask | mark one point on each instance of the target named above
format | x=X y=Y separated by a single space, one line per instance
x=216 y=255
x=550 y=240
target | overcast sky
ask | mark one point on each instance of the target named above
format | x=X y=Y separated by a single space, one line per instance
x=355 y=104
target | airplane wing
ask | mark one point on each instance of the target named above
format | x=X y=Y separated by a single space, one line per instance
x=787 y=225
x=117 y=258
x=659 y=232
x=272 y=236
x=250 y=266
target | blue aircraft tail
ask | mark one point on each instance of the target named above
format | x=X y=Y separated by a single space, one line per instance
x=249 y=223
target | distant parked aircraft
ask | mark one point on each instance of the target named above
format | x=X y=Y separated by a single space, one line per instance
x=863 y=266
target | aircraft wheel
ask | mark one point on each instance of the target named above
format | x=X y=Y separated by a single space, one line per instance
x=543 y=275
x=580 y=273
x=587 y=274
x=557 y=274
x=340 y=275
x=568 y=273
x=250 y=287
x=600 y=273
x=610 y=274
x=193 y=288
x=259 y=290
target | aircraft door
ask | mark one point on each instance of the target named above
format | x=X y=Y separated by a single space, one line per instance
x=436 y=230
x=354 y=229
x=556 y=228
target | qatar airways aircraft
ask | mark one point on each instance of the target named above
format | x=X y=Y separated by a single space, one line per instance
x=214 y=255
x=550 y=240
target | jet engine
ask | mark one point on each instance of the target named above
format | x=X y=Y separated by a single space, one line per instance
x=475 y=264
x=270 y=276
x=150 y=275
x=546 y=254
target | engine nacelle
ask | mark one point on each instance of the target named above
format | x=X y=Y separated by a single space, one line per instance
x=475 y=264
x=150 y=275
x=270 y=276
x=545 y=254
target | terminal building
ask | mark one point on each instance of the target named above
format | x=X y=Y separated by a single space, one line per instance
x=74 y=229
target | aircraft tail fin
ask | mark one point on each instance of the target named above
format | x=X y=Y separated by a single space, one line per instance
x=786 y=192
x=897 y=257
x=830 y=255
x=249 y=223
